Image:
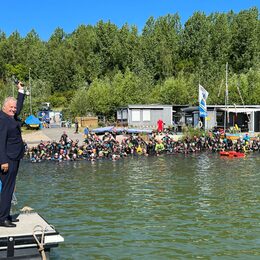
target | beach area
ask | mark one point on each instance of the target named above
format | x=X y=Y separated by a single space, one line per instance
x=50 y=134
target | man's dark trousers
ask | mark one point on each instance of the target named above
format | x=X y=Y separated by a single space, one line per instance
x=8 y=185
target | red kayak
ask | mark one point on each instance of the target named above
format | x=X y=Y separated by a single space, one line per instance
x=232 y=154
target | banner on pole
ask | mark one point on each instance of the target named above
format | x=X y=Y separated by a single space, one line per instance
x=203 y=95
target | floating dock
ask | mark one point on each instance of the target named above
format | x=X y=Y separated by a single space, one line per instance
x=32 y=238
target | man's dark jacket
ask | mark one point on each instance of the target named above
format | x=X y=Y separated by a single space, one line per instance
x=11 y=143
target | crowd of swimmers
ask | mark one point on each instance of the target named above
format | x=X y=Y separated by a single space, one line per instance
x=107 y=146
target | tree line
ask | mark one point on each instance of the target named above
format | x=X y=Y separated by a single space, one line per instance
x=96 y=69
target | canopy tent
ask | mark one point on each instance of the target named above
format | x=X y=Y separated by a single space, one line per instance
x=32 y=121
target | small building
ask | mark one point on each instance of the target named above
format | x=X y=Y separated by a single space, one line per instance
x=144 y=116
x=246 y=118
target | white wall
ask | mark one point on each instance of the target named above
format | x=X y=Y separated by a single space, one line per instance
x=211 y=120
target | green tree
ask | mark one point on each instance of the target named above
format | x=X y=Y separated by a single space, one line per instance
x=253 y=78
x=128 y=88
x=84 y=42
x=79 y=104
x=173 y=91
x=245 y=40
x=196 y=43
x=35 y=55
x=160 y=45
x=108 y=46
x=99 y=98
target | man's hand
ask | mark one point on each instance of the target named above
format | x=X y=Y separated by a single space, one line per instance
x=20 y=85
x=5 y=167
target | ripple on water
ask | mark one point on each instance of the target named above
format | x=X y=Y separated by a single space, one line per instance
x=167 y=207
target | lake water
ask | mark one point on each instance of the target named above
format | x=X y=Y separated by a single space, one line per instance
x=167 y=207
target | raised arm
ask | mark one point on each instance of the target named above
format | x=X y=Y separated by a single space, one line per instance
x=20 y=98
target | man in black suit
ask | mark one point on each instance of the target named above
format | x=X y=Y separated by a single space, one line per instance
x=11 y=151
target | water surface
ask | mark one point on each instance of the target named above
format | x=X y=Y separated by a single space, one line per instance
x=167 y=207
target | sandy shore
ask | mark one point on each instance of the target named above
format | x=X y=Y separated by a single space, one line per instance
x=35 y=137
x=51 y=134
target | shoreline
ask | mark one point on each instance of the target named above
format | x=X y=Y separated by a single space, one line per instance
x=51 y=134
x=34 y=138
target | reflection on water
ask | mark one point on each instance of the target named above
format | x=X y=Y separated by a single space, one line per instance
x=168 y=207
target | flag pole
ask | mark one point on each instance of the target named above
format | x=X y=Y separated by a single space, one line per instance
x=226 y=120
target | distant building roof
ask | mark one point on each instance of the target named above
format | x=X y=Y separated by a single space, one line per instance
x=146 y=106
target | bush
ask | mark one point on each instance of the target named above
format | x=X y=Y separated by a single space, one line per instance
x=190 y=132
x=58 y=101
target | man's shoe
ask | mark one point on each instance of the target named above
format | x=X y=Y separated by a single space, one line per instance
x=7 y=223
x=12 y=219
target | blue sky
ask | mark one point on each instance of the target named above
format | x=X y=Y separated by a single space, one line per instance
x=44 y=16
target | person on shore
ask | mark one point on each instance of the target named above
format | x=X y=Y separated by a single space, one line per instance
x=76 y=127
x=86 y=132
x=160 y=124
x=64 y=137
x=11 y=151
